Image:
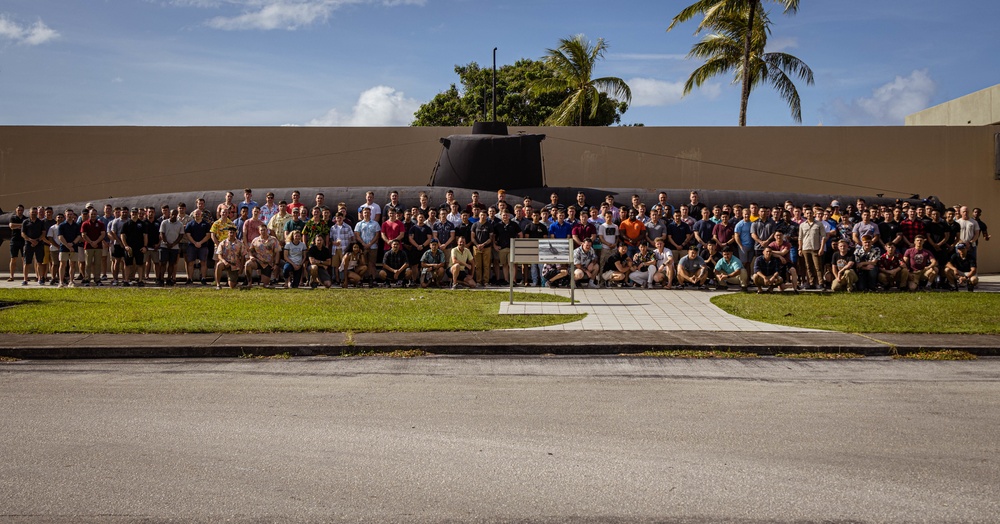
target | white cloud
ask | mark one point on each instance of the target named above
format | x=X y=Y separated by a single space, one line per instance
x=889 y=103
x=652 y=92
x=376 y=107
x=37 y=33
x=777 y=45
x=711 y=91
x=275 y=15
x=278 y=14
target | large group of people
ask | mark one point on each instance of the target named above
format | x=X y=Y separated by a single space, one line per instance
x=857 y=247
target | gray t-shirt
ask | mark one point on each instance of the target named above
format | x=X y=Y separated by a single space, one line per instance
x=171 y=231
x=657 y=230
x=691 y=265
x=115 y=227
x=294 y=252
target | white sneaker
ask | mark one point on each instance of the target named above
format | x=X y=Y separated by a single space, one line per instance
x=592 y=285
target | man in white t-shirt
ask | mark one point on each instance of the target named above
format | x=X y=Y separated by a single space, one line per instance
x=370 y=204
x=171 y=232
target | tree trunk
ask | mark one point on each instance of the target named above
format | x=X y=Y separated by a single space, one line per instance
x=745 y=96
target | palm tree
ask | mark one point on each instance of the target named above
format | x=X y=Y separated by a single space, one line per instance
x=573 y=64
x=715 y=9
x=723 y=52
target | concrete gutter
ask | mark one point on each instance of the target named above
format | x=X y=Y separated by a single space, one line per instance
x=99 y=346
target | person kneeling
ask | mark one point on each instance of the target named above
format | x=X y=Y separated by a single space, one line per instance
x=961 y=268
x=395 y=265
x=691 y=269
x=843 y=264
x=585 y=264
x=320 y=262
x=232 y=252
x=353 y=267
x=767 y=272
x=618 y=266
x=729 y=270
x=431 y=269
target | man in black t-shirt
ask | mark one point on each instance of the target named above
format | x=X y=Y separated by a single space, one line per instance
x=16 y=240
x=32 y=231
x=394 y=265
x=320 y=260
x=961 y=268
x=134 y=233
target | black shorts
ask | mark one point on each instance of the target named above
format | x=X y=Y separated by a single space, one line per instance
x=265 y=270
x=36 y=253
x=118 y=251
x=168 y=256
x=16 y=249
x=137 y=258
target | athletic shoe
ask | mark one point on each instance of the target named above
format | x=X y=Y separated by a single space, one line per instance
x=454 y=286
x=971 y=287
x=592 y=285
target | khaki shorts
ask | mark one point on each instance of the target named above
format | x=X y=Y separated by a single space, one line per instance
x=69 y=256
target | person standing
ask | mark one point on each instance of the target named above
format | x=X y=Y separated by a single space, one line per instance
x=16 y=240
x=94 y=233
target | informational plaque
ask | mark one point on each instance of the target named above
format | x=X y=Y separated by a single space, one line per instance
x=554 y=251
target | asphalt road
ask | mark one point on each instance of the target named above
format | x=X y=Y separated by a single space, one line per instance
x=500 y=439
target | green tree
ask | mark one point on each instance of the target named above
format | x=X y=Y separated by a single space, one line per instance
x=714 y=10
x=723 y=53
x=516 y=104
x=573 y=64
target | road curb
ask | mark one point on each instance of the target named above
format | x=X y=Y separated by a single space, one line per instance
x=212 y=345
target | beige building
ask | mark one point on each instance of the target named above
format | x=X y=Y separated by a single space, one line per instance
x=52 y=165
x=977 y=109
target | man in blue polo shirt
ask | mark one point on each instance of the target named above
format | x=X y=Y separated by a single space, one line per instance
x=560 y=228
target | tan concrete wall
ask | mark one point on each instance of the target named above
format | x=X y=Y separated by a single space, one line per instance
x=64 y=164
x=976 y=109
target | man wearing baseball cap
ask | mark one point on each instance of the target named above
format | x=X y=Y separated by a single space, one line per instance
x=961 y=268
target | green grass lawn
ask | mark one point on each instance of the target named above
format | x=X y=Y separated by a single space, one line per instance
x=202 y=310
x=872 y=312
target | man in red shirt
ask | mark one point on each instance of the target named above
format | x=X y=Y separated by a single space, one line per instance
x=920 y=263
x=93 y=233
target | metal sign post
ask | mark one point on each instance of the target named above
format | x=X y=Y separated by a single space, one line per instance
x=543 y=251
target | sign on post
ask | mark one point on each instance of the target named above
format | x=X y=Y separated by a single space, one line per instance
x=543 y=251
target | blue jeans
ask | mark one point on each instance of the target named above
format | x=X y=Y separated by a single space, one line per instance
x=296 y=274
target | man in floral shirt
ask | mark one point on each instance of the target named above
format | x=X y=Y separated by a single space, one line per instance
x=263 y=256
x=232 y=252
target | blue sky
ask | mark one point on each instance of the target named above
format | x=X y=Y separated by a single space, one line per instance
x=372 y=62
